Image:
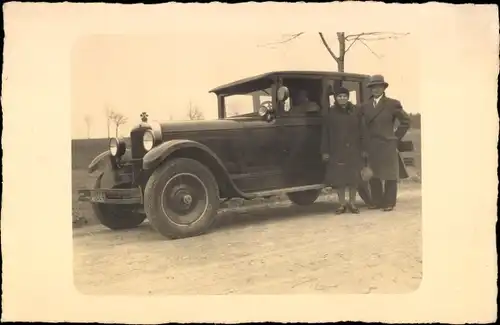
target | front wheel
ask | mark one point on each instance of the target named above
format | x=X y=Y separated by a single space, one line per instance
x=181 y=198
x=116 y=216
x=304 y=197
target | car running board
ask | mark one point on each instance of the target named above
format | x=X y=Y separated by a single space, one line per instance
x=285 y=190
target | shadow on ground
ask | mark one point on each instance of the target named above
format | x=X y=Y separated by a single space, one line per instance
x=227 y=219
x=244 y=217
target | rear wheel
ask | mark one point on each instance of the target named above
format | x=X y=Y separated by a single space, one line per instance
x=116 y=216
x=181 y=198
x=305 y=197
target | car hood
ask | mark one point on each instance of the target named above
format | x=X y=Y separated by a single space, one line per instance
x=199 y=125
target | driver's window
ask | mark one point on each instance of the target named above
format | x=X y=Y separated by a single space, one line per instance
x=238 y=104
x=246 y=103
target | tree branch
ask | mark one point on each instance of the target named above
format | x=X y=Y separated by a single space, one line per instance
x=376 y=36
x=288 y=39
x=328 y=47
x=352 y=43
x=369 y=48
x=349 y=37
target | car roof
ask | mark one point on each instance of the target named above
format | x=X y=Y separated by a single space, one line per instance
x=229 y=87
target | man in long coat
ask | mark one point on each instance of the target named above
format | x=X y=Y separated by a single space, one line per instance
x=380 y=114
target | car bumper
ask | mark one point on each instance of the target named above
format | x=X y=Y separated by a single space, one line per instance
x=111 y=196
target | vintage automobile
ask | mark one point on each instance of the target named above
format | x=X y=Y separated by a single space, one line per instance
x=176 y=174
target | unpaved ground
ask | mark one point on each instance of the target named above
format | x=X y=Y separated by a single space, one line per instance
x=280 y=250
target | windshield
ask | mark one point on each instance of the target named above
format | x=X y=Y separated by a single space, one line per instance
x=246 y=104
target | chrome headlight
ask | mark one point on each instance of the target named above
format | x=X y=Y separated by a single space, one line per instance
x=148 y=140
x=117 y=147
x=263 y=111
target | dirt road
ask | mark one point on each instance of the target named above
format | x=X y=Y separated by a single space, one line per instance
x=280 y=250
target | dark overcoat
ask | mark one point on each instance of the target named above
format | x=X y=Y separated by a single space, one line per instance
x=343 y=132
x=382 y=142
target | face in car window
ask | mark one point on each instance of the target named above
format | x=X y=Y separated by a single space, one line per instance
x=302 y=97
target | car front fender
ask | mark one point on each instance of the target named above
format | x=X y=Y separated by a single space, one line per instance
x=157 y=155
x=104 y=158
x=99 y=161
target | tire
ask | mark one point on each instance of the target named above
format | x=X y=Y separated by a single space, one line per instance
x=116 y=216
x=305 y=197
x=181 y=198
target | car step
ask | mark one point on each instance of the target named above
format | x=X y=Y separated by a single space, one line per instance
x=287 y=190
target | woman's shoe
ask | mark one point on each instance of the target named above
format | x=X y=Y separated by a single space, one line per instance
x=341 y=209
x=387 y=209
x=353 y=208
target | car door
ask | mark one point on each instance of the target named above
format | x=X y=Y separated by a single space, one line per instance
x=259 y=148
x=300 y=136
x=262 y=156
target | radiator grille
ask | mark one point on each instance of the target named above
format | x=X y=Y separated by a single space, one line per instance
x=136 y=143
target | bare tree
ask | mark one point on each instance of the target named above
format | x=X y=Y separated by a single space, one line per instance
x=194 y=112
x=109 y=118
x=88 y=122
x=345 y=43
x=118 y=119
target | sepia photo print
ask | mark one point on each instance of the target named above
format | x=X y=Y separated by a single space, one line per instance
x=287 y=163
x=251 y=162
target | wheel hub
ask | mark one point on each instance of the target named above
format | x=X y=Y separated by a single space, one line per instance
x=182 y=198
x=187 y=199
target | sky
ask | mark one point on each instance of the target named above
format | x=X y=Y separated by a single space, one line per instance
x=162 y=73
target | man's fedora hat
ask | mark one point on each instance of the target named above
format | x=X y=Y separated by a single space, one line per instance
x=376 y=80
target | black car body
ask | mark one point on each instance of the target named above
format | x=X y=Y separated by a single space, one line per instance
x=176 y=173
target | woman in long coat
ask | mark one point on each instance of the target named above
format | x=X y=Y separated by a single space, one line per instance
x=343 y=148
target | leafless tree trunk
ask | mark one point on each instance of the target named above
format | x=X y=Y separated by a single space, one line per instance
x=194 y=112
x=109 y=117
x=346 y=42
x=88 y=122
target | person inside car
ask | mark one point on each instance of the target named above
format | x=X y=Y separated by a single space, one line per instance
x=303 y=104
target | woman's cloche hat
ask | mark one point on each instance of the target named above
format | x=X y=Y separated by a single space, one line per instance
x=341 y=90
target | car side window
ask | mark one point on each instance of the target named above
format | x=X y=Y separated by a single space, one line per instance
x=246 y=104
